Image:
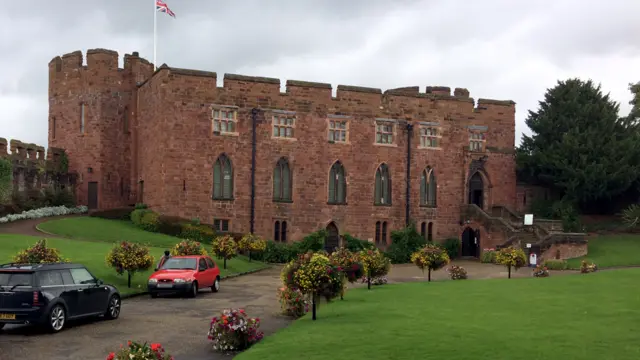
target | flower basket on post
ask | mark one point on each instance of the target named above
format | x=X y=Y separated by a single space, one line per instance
x=375 y=264
x=348 y=263
x=225 y=248
x=252 y=243
x=234 y=330
x=511 y=258
x=129 y=257
x=430 y=257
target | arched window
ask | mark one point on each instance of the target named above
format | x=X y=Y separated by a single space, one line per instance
x=276 y=231
x=428 y=188
x=384 y=233
x=430 y=232
x=378 y=225
x=282 y=181
x=383 y=186
x=423 y=229
x=280 y=231
x=223 y=178
x=337 y=184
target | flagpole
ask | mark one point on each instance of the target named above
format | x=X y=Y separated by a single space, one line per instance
x=155 y=34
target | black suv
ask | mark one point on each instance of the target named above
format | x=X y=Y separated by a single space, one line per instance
x=51 y=294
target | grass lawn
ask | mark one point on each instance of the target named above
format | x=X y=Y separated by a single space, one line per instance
x=92 y=254
x=594 y=316
x=611 y=250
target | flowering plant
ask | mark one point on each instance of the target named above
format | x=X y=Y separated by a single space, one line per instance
x=293 y=302
x=349 y=263
x=225 y=248
x=188 y=247
x=39 y=253
x=511 y=258
x=129 y=257
x=488 y=255
x=587 y=267
x=540 y=271
x=234 y=331
x=374 y=262
x=380 y=280
x=137 y=351
x=317 y=276
x=430 y=257
x=252 y=243
x=457 y=272
x=44 y=212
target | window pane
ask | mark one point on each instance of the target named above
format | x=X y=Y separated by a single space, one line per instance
x=332 y=185
x=332 y=124
x=216 y=114
x=223 y=126
x=378 y=187
x=289 y=132
x=277 y=176
x=331 y=137
x=82 y=276
x=286 y=183
x=216 y=125
x=217 y=177
x=282 y=134
x=275 y=131
x=227 y=183
x=341 y=196
x=378 y=137
x=230 y=115
x=423 y=189
x=225 y=225
x=232 y=126
x=276 y=231
x=283 y=236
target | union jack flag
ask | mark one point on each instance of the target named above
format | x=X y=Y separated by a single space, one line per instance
x=163 y=7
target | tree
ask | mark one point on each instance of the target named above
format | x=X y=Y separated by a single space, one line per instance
x=580 y=148
x=225 y=248
x=252 y=243
x=129 y=257
x=511 y=258
x=430 y=257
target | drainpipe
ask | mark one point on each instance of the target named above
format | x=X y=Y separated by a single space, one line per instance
x=254 y=123
x=408 y=200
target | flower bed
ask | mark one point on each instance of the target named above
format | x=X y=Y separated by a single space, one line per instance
x=234 y=330
x=587 y=267
x=540 y=271
x=43 y=213
x=293 y=302
x=457 y=272
x=137 y=351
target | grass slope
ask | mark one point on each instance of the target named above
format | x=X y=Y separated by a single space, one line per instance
x=594 y=316
x=611 y=250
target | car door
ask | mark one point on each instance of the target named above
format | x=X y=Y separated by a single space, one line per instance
x=202 y=274
x=93 y=297
x=212 y=268
x=71 y=294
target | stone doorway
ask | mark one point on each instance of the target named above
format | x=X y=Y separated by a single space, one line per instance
x=470 y=243
x=476 y=190
x=333 y=238
x=92 y=193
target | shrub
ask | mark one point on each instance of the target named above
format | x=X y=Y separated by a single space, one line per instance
x=293 y=302
x=452 y=247
x=149 y=221
x=354 y=244
x=313 y=242
x=540 y=271
x=375 y=264
x=555 y=264
x=200 y=233
x=56 y=196
x=44 y=212
x=631 y=216
x=404 y=243
x=457 y=272
x=234 y=331
x=188 y=247
x=170 y=225
x=129 y=257
x=511 y=258
x=225 y=248
x=430 y=257
x=137 y=351
x=587 y=267
x=252 y=244
x=141 y=206
x=137 y=214
x=279 y=253
x=38 y=253
x=123 y=213
x=488 y=256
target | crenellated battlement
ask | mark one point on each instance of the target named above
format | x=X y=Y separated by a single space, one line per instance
x=99 y=60
x=18 y=150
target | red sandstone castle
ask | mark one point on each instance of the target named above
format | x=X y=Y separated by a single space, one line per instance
x=248 y=157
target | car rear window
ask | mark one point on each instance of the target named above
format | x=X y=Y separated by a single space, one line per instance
x=180 y=263
x=13 y=278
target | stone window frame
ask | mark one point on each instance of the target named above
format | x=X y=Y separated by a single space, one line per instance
x=428 y=191
x=83 y=118
x=275 y=124
x=393 y=133
x=283 y=164
x=219 y=188
x=219 y=120
x=280 y=230
x=218 y=225
x=381 y=232
x=383 y=190
x=477 y=138
x=342 y=119
x=424 y=137
x=427 y=230
x=333 y=198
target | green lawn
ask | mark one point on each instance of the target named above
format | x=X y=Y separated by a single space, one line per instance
x=594 y=316
x=612 y=250
x=91 y=240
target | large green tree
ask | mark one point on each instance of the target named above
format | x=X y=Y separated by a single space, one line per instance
x=580 y=147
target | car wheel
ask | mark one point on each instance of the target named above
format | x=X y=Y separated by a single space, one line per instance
x=216 y=285
x=193 y=291
x=57 y=318
x=153 y=295
x=113 y=309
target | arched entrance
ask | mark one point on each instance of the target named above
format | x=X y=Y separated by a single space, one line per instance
x=476 y=190
x=470 y=243
x=333 y=238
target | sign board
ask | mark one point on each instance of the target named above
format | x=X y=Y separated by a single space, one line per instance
x=528 y=246
x=528 y=219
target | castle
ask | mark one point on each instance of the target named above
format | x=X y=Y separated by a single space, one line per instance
x=248 y=157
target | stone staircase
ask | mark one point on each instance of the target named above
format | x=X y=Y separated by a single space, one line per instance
x=546 y=237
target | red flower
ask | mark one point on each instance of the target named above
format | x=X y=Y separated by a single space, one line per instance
x=111 y=356
x=128 y=343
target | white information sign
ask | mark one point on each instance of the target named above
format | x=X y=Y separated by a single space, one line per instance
x=528 y=219
x=528 y=246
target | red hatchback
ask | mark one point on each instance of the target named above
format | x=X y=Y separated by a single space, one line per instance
x=185 y=274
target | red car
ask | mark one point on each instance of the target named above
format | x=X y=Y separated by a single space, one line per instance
x=185 y=274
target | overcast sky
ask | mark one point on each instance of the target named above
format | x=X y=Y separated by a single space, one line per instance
x=502 y=49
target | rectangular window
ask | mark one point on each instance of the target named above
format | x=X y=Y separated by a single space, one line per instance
x=384 y=133
x=221 y=225
x=429 y=137
x=337 y=131
x=283 y=126
x=53 y=128
x=224 y=120
x=50 y=278
x=476 y=141
x=82 y=118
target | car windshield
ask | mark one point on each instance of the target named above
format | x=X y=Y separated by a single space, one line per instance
x=179 y=263
x=16 y=278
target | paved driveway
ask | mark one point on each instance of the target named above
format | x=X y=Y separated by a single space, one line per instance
x=179 y=324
